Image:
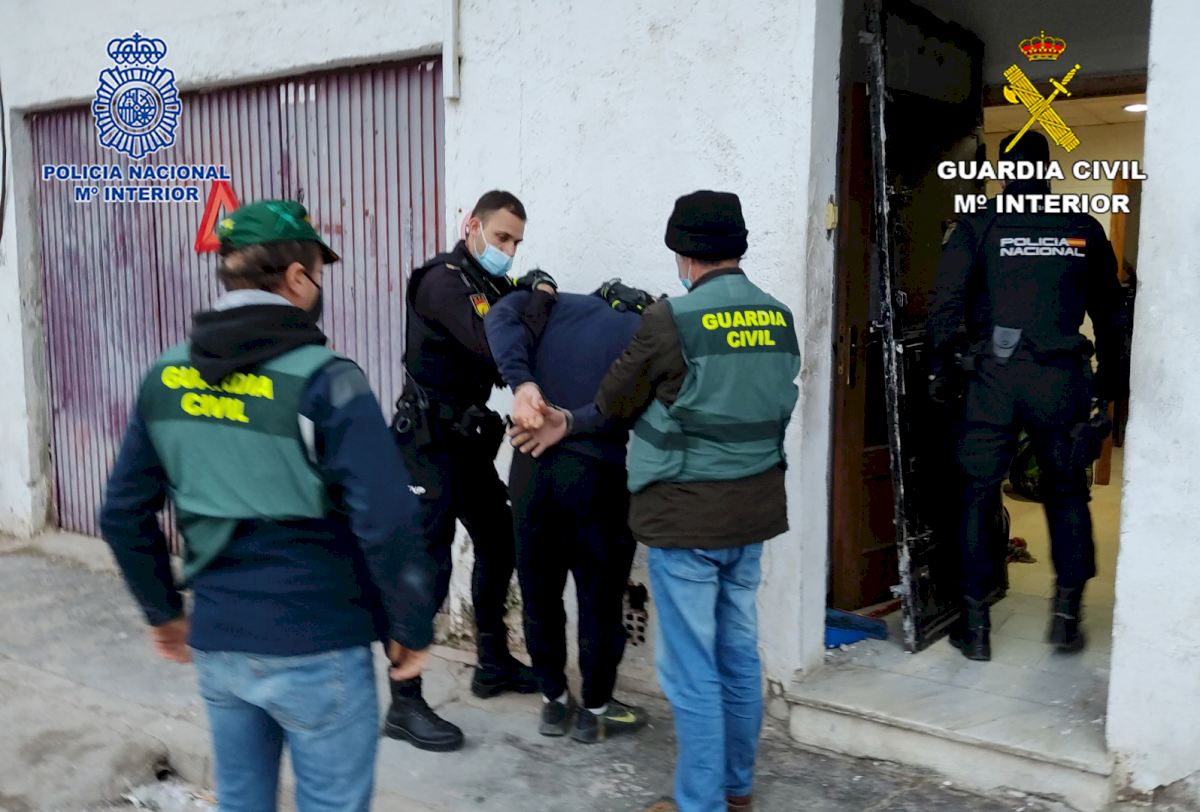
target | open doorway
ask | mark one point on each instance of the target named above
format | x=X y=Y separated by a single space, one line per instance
x=894 y=555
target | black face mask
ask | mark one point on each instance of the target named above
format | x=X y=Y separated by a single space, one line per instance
x=316 y=308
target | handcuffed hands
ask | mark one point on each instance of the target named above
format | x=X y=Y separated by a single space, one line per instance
x=170 y=640
x=536 y=441
x=529 y=407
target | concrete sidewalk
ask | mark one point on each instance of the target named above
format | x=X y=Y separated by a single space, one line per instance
x=86 y=712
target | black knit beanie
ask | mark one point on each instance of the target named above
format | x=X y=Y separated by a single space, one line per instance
x=708 y=226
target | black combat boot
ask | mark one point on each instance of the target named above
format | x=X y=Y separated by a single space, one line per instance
x=972 y=634
x=498 y=671
x=1065 y=633
x=410 y=718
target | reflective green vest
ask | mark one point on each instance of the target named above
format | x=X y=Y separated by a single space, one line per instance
x=233 y=450
x=733 y=408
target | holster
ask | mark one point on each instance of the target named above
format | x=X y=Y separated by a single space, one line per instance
x=1087 y=439
x=948 y=374
x=411 y=421
x=484 y=426
x=422 y=422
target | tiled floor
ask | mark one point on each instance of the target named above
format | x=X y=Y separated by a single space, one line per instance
x=1028 y=698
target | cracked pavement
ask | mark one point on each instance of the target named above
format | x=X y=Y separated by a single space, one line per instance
x=87 y=713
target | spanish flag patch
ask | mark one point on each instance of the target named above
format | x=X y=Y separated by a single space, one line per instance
x=1076 y=242
x=480 y=303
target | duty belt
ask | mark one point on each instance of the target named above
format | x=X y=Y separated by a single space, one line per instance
x=463 y=421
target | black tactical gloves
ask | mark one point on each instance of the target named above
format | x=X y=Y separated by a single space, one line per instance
x=536 y=277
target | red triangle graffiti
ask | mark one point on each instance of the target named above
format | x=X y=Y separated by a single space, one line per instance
x=221 y=196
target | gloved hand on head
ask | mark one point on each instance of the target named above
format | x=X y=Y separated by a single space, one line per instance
x=533 y=278
x=624 y=297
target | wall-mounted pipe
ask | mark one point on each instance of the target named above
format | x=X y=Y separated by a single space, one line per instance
x=450 y=86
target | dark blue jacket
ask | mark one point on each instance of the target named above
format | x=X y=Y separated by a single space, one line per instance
x=581 y=339
x=295 y=587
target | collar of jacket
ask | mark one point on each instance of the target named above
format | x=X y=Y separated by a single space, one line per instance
x=244 y=297
x=715 y=274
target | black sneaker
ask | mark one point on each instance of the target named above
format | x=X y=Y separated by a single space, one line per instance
x=493 y=680
x=556 y=717
x=411 y=719
x=617 y=718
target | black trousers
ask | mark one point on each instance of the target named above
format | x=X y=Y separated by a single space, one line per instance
x=455 y=477
x=1047 y=400
x=571 y=514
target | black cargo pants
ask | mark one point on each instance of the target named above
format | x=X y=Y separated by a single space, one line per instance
x=572 y=515
x=1047 y=400
x=454 y=476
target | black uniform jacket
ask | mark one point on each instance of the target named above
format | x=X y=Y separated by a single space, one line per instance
x=1039 y=273
x=447 y=349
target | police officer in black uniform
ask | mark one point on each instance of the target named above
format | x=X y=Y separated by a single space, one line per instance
x=1020 y=284
x=449 y=439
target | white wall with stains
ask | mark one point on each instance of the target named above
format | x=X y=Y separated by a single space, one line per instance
x=1153 y=724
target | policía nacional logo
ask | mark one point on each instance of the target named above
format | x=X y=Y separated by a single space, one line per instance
x=137 y=106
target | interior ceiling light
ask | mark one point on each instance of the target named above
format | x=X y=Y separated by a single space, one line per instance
x=1136 y=108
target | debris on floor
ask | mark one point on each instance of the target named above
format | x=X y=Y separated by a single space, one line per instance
x=1018 y=551
x=164 y=796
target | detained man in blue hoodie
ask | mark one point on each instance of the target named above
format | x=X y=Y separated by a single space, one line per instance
x=571 y=504
x=301 y=545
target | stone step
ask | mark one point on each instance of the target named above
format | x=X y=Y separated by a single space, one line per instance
x=979 y=741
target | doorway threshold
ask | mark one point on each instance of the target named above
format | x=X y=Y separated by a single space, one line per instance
x=1031 y=720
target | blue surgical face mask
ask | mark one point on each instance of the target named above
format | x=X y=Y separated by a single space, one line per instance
x=684 y=280
x=493 y=260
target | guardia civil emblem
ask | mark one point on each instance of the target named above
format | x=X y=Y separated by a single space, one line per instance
x=137 y=106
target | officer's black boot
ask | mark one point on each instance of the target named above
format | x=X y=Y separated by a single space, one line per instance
x=972 y=634
x=1064 y=622
x=498 y=671
x=410 y=718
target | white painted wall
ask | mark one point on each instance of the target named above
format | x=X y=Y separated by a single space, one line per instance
x=54 y=49
x=1153 y=724
x=597 y=115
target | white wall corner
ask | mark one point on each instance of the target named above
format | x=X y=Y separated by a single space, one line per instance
x=823 y=54
x=1153 y=726
x=25 y=482
x=450 y=50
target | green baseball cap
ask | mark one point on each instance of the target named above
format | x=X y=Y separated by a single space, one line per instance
x=268 y=221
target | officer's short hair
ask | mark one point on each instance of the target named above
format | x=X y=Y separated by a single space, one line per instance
x=1032 y=147
x=261 y=267
x=496 y=200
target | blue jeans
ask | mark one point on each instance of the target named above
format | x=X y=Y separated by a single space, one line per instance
x=324 y=705
x=708 y=665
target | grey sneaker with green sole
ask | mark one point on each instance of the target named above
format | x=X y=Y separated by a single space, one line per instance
x=617 y=718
